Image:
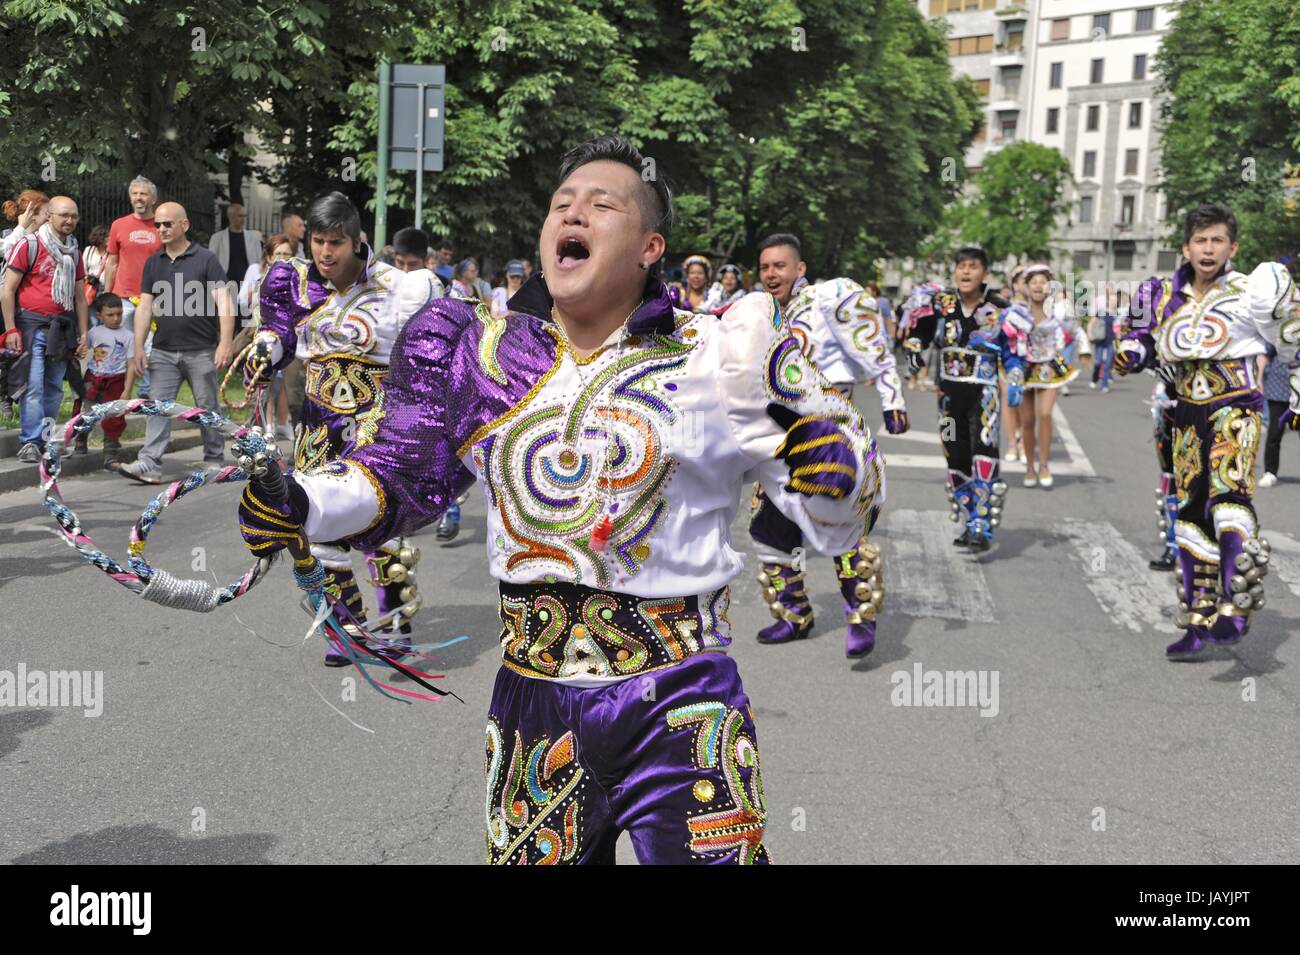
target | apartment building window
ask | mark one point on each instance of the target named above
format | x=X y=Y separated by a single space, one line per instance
x=1015 y=40
x=1126 y=208
x=1093 y=122
x=982 y=87
x=1090 y=164
x=1131 y=161
x=1053 y=119
x=1101 y=22
x=1055 y=78
x=1085 y=214
x=1140 y=66
x=968 y=45
x=1167 y=261
x=1098 y=66
x=1144 y=19
x=1061 y=29
x=1134 y=115
x=1008 y=126
x=1123 y=259
x=1011 y=83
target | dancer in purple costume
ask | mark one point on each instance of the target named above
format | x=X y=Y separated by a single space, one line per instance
x=1209 y=323
x=612 y=435
x=839 y=329
x=341 y=313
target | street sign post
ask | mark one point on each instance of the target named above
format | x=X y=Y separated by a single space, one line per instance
x=411 y=128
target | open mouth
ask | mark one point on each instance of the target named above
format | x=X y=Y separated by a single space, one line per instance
x=570 y=251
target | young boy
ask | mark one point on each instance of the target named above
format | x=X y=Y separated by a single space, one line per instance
x=108 y=375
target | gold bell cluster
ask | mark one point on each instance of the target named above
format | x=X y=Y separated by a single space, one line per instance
x=397 y=566
x=869 y=591
x=1247 y=583
x=776 y=579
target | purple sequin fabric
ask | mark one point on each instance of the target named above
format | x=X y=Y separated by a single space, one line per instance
x=453 y=371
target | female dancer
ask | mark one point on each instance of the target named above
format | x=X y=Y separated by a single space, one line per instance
x=695 y=296
x=1039 y=333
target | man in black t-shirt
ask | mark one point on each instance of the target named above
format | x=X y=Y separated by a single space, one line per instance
x=184 y=291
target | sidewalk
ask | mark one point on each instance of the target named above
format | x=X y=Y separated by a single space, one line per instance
x=14 y=475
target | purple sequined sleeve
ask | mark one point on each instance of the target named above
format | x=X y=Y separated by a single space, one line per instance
x=1143 y=319
x=455 y=371
x=278 y=309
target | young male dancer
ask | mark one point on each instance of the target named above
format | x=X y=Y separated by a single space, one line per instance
x=341 y=313
x=839 y=330
x=965 y=325
x=612 y=436
x=1209 y=322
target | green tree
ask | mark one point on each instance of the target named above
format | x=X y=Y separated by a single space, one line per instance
x=1230 y=70
x=1019 y=197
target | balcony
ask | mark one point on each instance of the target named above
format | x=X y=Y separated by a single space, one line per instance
x=1012 y=14
x=1004 y=55
x=1009 y=103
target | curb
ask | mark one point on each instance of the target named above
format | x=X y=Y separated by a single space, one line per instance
x=15 y=476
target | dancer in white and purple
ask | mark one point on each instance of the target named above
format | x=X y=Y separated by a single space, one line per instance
x=1209 y=323
x=839 y=330
x=341 y=312
x=612 y=435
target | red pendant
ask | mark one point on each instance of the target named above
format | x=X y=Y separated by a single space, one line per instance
x=600 y=533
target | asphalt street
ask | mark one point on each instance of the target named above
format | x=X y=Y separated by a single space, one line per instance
x=221 y=740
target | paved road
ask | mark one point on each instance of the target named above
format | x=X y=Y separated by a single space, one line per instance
x=220 y=719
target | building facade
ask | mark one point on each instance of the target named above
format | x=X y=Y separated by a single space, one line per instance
x=1079 y=76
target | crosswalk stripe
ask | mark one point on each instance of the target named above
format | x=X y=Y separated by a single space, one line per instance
x=925 y=576
x=1077 y=465
x=1130 y=593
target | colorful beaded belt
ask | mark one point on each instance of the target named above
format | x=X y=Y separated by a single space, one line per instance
x=343 y=384
x=1204 y=380
x=567 y=630
x=967 y=365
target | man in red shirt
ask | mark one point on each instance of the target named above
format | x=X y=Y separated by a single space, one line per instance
x=44 y=288
x=131 y=240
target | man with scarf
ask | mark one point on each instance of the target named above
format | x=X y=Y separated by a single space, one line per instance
x=39 y=301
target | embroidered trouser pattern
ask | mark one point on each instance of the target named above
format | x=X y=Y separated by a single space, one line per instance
x=670 y=757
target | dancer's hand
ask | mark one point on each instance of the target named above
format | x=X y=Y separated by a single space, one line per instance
x=257 y=366
x=896 y=421
x=1129 y=356
x=914 y=360
x=268 y=526
x=817 y=452
x=1015 y=387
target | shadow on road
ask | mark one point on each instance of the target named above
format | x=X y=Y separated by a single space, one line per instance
x=13 y=725
x=151 y=845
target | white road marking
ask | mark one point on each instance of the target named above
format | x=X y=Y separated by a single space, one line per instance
x=925 y=576
x=1284 y=562
x=1130 y=593
x=1078 y=464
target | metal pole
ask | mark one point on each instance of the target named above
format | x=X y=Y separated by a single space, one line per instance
x=419 y=157
x=381 y=180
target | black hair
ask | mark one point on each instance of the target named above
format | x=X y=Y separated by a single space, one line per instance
x=968 y=252
x=334 y=212
x=444 y=244
x=655 y=199
x=107 y=300
x=780 y=238
x=411 y=241
x=1206 y=215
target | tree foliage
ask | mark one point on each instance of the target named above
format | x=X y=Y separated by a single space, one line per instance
x=1230 y=71
x=1019 y=197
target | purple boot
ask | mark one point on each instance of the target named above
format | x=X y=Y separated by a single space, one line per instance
x=392 y=571
x=1243 y=562
x=862 y=586
x=786 y=598
x=1200 y=587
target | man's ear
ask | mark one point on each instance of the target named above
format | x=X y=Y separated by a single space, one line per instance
x=803 y=268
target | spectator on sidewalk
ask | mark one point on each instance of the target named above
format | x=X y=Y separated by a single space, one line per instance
x=29 y=210
x=465 y=282
x=276 y=248
x=132 y=239
x=235 y=247
x=444 y=268
x=108 y=375
x=1101 y=332
x=186 y=293
x=514 y=281
x=93 y=259
x=295 y=227
x=43 y=297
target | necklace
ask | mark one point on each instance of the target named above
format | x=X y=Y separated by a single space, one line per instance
x=569 y=456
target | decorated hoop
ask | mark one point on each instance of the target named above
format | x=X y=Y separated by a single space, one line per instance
x=238 y=363
x=139 y=576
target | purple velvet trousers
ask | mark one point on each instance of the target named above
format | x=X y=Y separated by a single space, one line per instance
x=669 y=756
